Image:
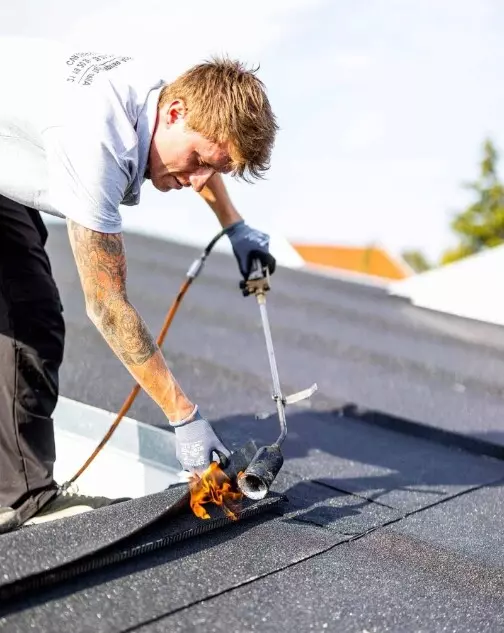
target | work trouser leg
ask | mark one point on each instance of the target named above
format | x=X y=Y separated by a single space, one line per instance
x=32 y=334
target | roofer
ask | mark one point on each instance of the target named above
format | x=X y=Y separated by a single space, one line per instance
x=79 y=133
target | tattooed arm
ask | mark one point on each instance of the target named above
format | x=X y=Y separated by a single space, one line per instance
x=101 y=263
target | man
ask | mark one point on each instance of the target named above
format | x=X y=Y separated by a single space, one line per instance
x=79 y=134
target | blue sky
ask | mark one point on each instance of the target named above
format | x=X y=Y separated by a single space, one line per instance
x=383 y=105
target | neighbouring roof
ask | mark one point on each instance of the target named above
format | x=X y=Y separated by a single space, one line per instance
x=393 y=520
x=371 y=260
x=467 y=288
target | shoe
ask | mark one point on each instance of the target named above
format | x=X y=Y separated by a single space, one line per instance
x=9 y=520
x=67 y=504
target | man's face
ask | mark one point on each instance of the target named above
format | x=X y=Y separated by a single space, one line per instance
x=180 y=157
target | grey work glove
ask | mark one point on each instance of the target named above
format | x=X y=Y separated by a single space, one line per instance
x=250 y=244
x=196 y=441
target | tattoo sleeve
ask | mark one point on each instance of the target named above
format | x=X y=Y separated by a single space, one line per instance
x=101 y=262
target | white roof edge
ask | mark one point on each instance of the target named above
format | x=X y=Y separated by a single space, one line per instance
x=465 y=288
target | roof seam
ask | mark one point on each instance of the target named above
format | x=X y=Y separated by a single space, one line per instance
x=346 y=541
x=353 y=494
x=434 y=504
x=318 y=482
x=242 y=584
x=350 y=539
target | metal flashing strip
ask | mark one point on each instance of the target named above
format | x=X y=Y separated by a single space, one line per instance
x=142 y=457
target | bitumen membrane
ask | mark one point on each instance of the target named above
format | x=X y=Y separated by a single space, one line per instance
x=382 y=530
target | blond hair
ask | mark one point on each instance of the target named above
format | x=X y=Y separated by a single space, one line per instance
x=227 y=102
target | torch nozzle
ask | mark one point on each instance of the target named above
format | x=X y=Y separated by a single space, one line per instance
x=257 y=478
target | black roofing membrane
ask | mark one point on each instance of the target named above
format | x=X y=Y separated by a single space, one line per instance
x=382 y=582
x=40 y=548
x=330 y=508
x=402 y=472
x=39 y=554
x=169 y=529
x=362 y=347
x=132 y=593
x=471 y=524
x=359 y=344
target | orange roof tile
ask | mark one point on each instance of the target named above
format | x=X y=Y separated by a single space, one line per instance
x=371 y=260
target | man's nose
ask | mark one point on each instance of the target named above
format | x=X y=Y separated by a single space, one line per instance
x=199 y=179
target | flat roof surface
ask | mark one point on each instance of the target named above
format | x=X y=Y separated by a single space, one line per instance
x=389 y=526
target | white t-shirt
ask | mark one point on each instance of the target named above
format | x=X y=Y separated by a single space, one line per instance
x=75 y=130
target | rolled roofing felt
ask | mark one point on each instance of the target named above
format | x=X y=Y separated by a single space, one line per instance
x=48 y=553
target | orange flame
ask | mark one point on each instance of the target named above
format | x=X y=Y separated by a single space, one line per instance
x=214 y=486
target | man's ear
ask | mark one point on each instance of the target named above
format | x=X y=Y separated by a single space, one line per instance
x=174 y=111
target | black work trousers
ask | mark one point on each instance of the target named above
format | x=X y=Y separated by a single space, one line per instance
x=32 y=334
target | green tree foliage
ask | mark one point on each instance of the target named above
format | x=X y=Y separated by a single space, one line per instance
x=481 y=225
x=417 y=260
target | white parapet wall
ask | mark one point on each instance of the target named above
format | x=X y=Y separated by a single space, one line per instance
x=139 y=459
x=469 y=288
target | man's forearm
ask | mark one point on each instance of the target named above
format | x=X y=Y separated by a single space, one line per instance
x=128 y=336
x=217 y=197
x=101 y=262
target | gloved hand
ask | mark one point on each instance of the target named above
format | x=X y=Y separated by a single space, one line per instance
x=249 y=244
x=195 y=442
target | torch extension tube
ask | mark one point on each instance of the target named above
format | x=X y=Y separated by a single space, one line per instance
x=277 y=393
x=256 y=480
